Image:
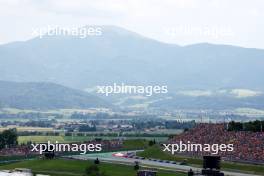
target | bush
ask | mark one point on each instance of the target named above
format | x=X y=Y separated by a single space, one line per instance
x=94 y=170
x=96 y=161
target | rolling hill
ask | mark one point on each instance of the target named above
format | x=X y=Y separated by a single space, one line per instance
x=45 y=96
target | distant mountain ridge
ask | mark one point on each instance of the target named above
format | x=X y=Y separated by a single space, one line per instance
x=45 y=96
x=122 y=56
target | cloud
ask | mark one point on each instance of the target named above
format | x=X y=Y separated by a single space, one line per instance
x=244 y=93
x=196 y=93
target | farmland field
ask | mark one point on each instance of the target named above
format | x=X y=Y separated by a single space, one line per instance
x=22 y=129
x=67 y=139
x=39 y=139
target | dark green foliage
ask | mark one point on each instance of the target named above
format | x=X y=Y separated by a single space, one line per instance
x=96 y=161
x=254 y=126
x=136 y=166
x=94 y=170
x=8 y=138
x=152 y=142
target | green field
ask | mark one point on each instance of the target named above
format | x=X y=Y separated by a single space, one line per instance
x=22 y=129
x=77 y=168
x=87 y=138
x=157 y=153
x=135 y=144
x=39 y=139
x=131 y=144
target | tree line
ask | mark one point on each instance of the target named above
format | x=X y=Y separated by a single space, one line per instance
x=254 y=126
x=8 y=138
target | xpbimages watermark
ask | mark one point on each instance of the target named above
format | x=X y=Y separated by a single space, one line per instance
x=193 y=147
x=60 y=147
x=132 y=89
x=80 y=32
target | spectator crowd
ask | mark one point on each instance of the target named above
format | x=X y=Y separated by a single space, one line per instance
x=248 y=146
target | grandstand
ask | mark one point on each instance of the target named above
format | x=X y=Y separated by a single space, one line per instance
x=248 y=146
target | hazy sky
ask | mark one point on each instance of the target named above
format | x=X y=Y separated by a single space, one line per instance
x=236 y=22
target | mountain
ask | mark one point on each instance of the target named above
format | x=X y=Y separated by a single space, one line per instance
x=45 y=96
x=119 y=55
